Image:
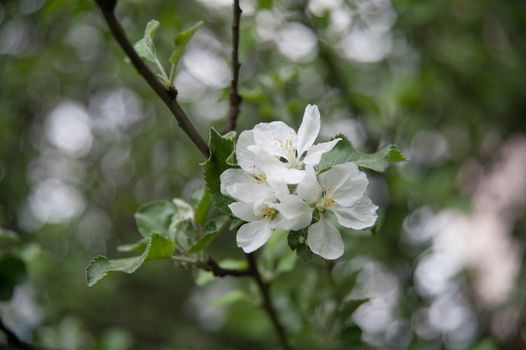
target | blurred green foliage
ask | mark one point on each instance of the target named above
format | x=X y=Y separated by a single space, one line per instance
x=84 y=143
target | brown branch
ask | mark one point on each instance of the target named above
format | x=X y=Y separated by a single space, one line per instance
x=13 y=342
x=267 y=301
x=168 y=96
x=212 y=266
x=235 y=98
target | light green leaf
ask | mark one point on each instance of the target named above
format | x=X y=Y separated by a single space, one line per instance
x=155 y=217
x=8 y=236
x=138 y=246
x=145 y=47
x=201 y=202
x=202 y=277
x=182 y=228
x=344 y=152
x=221 y=147
x=231 y=297
x=234 y=264
x=180 y=40
x=159 y=247
x=211 y=230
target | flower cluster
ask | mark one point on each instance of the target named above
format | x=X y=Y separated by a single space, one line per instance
x=277 y=187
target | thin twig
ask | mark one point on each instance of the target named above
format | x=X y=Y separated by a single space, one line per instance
x=212 y=266
x=235 y=98
x=168 y=96
x=267 y=301
x=13 y=342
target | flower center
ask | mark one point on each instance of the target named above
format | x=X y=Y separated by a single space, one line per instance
x=290 y=152
x=261 y=179
x=325 y=201
x=269 y=212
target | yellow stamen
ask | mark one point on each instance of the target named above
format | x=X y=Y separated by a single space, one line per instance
x=262 y=179
x=269 y=212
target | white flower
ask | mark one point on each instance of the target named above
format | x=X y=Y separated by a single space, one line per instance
x=276 y=150
x=341 y=191
x=264 y=206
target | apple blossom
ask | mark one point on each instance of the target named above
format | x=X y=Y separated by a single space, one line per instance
x=340 y=191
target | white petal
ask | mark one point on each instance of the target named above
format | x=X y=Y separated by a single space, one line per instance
x=253 y=235
x=279 y=188
x=345 y=183
x=359 y=216
x=314 y=154
x=309 y=189
x=244 y=211
x=245 y=158
x=276 y=170
x=309 y=129
x=294 y=213
x=325 y=240
x=273 y=137
x=238 y=185
x=232 y=177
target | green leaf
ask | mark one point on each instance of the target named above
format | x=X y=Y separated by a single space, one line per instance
x=180 y=40
x=484 y=344
x=221 y=148
x=201 y=202
x=138 y=246
x=182 y=228
x=12 y=273
x=211 y=229
x=8 y=236
x=159 y=247
x=344 y=152
x=145 y=47
x=349 y=307
x=203 y=277
x=297 y=241
x=155 y=217
x=231 y=297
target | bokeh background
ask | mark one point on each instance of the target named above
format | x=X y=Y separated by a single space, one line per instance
x=84 y=142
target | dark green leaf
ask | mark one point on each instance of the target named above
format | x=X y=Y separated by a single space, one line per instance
x=180 y=40
x=297 y=241
x=349 y=307
x=12 y=273
x=344 y=152
x=211 y=230
x=159 y=247
x=221 y=147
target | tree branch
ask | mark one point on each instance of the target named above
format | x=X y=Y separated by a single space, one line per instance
x=267 y=301
x=212 y=266
x=168 y=96
x=13 y=342
x=235 y=99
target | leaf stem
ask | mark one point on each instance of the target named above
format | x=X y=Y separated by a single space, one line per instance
x=267 y=301
x=235 y=98
x=171 y=78
x=167 y=95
